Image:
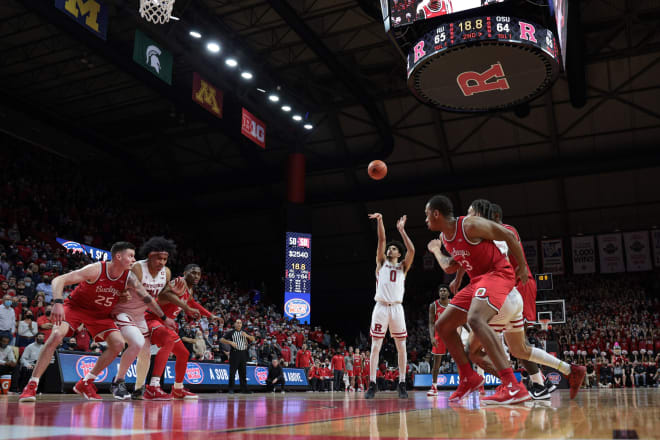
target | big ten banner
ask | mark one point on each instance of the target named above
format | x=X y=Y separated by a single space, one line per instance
x=91 y=251
x=610 y=252
x=253 y=129
x=74 y=366
x=584 y=254
x=90 y=14
x=655 y=237
x=206 y=95
x=531 y=249
x=638 y=254
x=553 y=256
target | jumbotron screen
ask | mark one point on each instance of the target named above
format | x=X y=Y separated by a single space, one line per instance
x=405 y=12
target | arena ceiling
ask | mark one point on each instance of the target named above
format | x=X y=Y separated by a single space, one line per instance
x=557 y=170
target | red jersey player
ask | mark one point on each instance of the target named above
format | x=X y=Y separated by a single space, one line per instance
x=434 y=8
x=100 y=286
x=357 y=370
x=435 y=310
x=470 y=243
x=168 y=340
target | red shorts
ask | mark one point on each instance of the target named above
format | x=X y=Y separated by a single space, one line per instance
x=357 y=371
x=440 y=349
x=160 y=335
x=492 y=287
x=528 y=293
x=98 y=325
x=350 y=373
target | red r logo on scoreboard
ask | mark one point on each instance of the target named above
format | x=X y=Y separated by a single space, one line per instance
x=471 y=82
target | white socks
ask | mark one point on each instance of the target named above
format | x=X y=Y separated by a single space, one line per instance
x=543 y=358
x=537 y=378
x=90 y=376
x=155 y=382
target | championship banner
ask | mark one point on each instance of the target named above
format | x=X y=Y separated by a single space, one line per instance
x=204 y=94
x=584 y=254
x=94 y=253
x=153 y=57
x=74 y=366
x=90 y=14
x=531 y=249
x=553 y=256
x=655 y=237
x=638 y=254
x=253 y=129
x=610 y=251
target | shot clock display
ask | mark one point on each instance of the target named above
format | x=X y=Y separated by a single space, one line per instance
x=298 y=276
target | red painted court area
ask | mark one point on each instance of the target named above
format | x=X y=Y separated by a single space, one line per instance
x=594 y=414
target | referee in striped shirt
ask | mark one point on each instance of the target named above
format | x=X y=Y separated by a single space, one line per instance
x=238 y=357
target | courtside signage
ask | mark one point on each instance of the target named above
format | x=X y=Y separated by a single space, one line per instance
x=253 y=129
x=90 y=14
x=73 y=367
x=452 y=380
x=94 y=253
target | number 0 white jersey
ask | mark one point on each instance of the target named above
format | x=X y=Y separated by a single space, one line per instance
x=136 y=306
x=390 y=283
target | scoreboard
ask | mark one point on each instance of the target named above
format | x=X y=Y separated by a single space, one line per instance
x=298 y=276
x=405 y=12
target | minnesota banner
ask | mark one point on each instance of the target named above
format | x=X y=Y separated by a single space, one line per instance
x=204 y=94
x=153 y=57
x=90 y=14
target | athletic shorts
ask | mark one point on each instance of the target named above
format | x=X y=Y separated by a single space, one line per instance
x=160 y=334
x=492 y=287
x=357 y=372
x=441 y=348
x=388 y=316
x=528 y=293
x=98 y=325
x=509 y=318
x=124 y=319
x=350 y=373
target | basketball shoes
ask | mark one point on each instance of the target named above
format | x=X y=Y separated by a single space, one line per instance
x=29 y=393
x=433 y=391
x=507 y=394
x=87 y=389
x=182 y=393
x=155 y=393
x=371 y=392
x=467 y=386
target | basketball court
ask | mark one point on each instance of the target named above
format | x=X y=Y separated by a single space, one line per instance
x=594 y=414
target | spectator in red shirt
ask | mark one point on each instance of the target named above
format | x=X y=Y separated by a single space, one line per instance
x=299 y=338
x=315 y=376
x=338 y=370
x=303 y=358
x=45 y=324
x=286 y=353
x=326 y=374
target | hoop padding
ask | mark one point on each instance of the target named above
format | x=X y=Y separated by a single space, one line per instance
x=156 y=11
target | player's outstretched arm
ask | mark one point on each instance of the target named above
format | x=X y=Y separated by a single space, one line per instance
x=169 y=295
x=448 y=264
x=380 y=250
x=410 y=247
x=479 y=228
x=91 y=272
x=136 y=288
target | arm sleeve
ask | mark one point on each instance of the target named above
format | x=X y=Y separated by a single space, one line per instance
x=195 y=305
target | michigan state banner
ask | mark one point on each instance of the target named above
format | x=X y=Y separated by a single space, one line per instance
x=153 y=57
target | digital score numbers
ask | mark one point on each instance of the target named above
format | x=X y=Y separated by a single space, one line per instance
x=298 y=268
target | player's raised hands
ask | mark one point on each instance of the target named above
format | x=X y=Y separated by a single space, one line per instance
x=401 y=223
x=376 y=216
x=178 y=285
x=434 y=245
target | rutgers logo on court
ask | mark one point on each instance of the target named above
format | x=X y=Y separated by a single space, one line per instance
x=492 y=79
x=194 y=374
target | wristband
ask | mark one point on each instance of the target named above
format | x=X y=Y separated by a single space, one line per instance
x=58 y=301
x=163 y=317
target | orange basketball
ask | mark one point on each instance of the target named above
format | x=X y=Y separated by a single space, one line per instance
x=377 y=169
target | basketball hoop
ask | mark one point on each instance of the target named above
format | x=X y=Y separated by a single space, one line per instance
x=157 y=11
x=545 y=324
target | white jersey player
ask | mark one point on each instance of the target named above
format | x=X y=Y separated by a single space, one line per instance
x=388 y=311
x=129 y=315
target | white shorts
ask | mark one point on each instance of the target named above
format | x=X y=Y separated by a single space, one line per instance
x=388 y=316
x=465 y=335
x=510 y=316
x=124 y=319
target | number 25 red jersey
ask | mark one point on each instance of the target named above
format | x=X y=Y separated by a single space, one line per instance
x=101 y=295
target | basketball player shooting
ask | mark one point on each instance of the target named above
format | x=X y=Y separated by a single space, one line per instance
x=388 y=311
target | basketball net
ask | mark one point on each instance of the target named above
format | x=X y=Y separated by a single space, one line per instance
x=545 y=324
x=157 y=11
